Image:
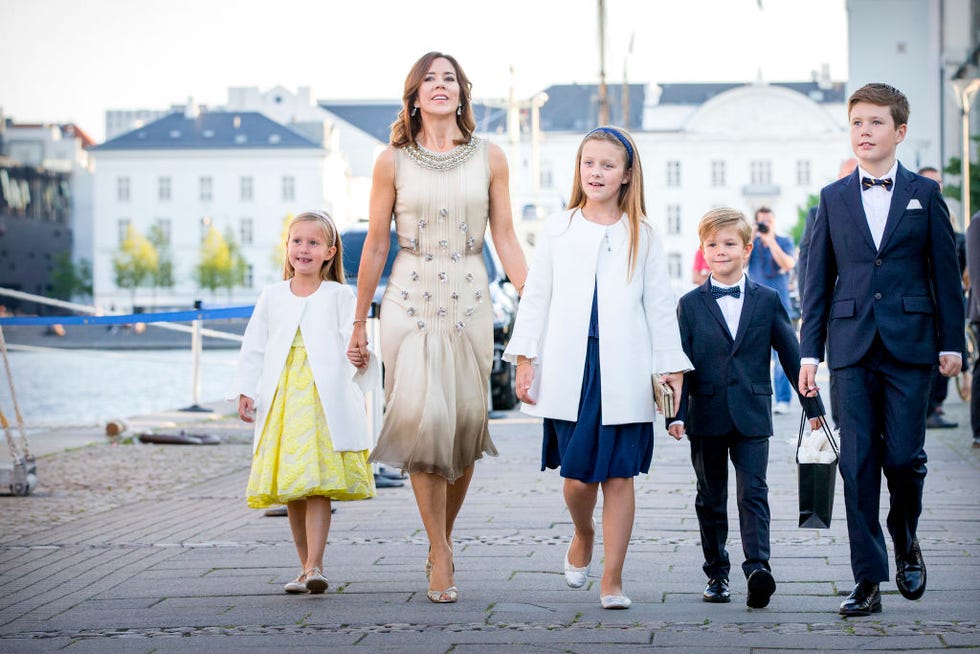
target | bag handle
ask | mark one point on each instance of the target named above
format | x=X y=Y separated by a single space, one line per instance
x=823 y=426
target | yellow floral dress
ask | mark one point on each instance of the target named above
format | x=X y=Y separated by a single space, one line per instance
x=295 y=456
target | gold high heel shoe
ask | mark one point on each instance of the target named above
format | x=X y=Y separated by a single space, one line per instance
x=448 y=596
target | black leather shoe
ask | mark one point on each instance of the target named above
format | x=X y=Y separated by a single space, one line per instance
x=936 y=421
x=911 y=573
x=863 y=600
x=761 y=586
x=717 y=591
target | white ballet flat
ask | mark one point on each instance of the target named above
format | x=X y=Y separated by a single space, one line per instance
x=576 y=577
x=615 y=601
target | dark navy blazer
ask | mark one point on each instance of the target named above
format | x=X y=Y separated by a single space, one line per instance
x=908 y=291
x=730 y=387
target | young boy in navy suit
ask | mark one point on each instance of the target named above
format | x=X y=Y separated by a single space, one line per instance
x=883 y=293
x=728 y=327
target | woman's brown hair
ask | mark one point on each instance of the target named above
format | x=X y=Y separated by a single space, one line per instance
x=406 y=127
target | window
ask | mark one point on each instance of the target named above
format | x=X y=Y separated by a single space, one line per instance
x=249 y=276
x=122 y=189
x=205 y=226
x=673 y=173
x=760 y=172
x=164 y=226
x=163 y=189
x=123 y=229
x=245 y=231
x=675 y=265
x=673 y=219
x=803 y=172
x=288 y=188
x=717 y=173
x=246 y=189
x=205 y=189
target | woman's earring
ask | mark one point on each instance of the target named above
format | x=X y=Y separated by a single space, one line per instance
x=459 y=110
x=414 y=110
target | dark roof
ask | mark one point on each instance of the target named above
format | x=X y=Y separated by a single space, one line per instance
x=242 y=130
x=376 y=118
x=575 y=107
x=699 y=93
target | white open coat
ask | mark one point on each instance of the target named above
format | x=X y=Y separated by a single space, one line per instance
x=638 y=333
x=325 y=319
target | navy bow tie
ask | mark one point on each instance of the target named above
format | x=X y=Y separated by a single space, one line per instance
x=718 y=291
x=867 y=183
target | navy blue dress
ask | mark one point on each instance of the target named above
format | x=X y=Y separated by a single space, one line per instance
x=586 y=449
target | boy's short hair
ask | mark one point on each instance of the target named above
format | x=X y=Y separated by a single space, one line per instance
x=882 y=95
x=724 y=217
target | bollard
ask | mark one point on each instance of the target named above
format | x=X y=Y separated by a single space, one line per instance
x=196 y=345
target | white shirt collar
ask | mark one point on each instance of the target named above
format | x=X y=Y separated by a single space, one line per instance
x=891 y=172
x=740 y=283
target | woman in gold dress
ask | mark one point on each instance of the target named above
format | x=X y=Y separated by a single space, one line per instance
x=443 y=186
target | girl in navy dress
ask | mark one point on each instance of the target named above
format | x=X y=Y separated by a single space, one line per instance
x=596 y=325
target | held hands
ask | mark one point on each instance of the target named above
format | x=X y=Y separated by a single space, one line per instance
x=357 y=352
x=246 y=408
x=525 y=375
x=950 y=365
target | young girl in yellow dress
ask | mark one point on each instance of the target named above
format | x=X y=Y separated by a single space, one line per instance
x=307 y=402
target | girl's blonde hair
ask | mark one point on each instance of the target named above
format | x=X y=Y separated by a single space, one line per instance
x=407 y=126
x=631 y=200
x=724 y=217
x=332 y=270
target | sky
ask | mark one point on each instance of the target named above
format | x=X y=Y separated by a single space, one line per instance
x=77 y=58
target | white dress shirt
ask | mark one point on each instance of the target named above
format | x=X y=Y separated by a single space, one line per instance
x=731 y=307
x=877 y=201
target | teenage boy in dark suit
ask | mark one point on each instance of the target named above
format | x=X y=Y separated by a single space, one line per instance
x=729 y=326
x=882 y=292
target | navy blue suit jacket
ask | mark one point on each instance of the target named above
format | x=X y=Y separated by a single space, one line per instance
x=730 y=387
x=908 y=291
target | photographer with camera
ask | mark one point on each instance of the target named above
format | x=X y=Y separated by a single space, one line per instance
x=770 y=264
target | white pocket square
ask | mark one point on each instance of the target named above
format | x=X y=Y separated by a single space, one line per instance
x=913 y=204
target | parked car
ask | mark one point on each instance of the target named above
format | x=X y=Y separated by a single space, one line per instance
x=503 y=297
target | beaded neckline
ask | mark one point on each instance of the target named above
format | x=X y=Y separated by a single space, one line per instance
x=442 y=160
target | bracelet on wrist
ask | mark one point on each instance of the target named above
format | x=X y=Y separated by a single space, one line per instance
x=364 y=320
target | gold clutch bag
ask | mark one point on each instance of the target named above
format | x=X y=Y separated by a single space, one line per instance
x=663 y=395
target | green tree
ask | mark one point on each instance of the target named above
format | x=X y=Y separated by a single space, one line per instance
x=279 y=252
x=220 y=264
x=236 y=271
x=69 y=279
x=135 y=261
x=163 y=275
x=801 y=214
x=955 y=191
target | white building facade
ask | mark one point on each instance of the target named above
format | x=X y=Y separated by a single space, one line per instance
x=237 y=171
x=746 y=147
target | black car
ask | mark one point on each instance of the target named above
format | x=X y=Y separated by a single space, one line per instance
x=503 y=296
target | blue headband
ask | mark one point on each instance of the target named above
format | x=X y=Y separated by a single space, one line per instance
x=619 y=137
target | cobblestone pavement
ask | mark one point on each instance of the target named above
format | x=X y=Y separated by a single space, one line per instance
x=151 y=549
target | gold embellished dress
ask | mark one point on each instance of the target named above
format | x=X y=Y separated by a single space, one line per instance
x=436 y=315
x=295 y=458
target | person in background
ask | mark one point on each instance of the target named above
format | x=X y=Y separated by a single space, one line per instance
x=443 y=186
x=770 y=264
x=292 y=381
x=940 y=384
x=595 y=325
x=973 y=313
x=846 y=168
x=700 y=269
